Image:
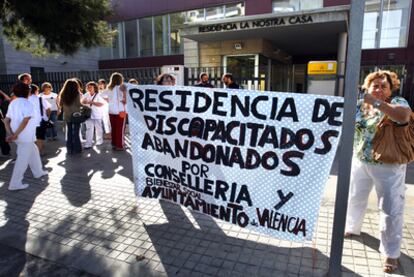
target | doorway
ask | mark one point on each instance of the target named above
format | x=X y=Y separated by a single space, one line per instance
x=245 y=69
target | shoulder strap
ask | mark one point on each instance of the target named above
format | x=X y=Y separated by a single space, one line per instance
x=41 y=106
x=94 y=97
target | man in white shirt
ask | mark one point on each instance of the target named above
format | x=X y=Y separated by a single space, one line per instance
x=95 y=101
x=21 y=127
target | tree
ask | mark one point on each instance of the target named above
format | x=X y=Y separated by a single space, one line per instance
x=55 y=26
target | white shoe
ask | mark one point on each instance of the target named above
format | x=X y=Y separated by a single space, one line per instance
x=44 y=173
x=99 y=143
x=22 y=186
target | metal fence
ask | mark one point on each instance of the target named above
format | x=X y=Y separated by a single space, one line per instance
x=57 y=79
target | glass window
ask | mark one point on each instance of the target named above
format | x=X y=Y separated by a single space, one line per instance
x=105 y=52
x=195 y=15
x=234 y=10
x=280 y=6
x=369 y=30
x=145 y=36
x=389 y=29
x=394 y=27
x=214 y=13
x=118 y=41
x=176 y=22
x=161 y=35
x=131 y=39
x=310 y=5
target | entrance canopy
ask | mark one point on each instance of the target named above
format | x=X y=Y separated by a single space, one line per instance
x=300 y=33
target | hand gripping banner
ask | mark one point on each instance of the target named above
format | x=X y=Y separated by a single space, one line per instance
x=259 y=160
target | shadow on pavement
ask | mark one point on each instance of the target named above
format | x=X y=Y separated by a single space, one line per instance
x=374 y=244
x=80 y=169
x=16 y=226
x=185 y=247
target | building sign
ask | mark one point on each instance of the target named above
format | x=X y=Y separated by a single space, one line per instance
x=258 y=161
x=322 y=67
x=258 y=23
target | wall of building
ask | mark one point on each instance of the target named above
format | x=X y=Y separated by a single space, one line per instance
x=156 y=61
x=14 y=62
x=132 y=9
x=258 y=7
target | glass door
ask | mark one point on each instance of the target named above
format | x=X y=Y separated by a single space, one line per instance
x=245 y=70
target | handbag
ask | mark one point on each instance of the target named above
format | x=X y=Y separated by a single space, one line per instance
x=83 y=114
x=393 y=143
x=45 y=124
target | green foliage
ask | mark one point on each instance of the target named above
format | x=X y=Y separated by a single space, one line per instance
x=55 y=26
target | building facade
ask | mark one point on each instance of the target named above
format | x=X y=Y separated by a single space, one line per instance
x=266 y=44
x=16 y=62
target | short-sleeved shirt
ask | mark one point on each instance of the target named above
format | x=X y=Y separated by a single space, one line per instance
x=365 y=128
x=51 y=99
x=35 y=100
x=97 y=112
x=19 y=109
x=114 y=98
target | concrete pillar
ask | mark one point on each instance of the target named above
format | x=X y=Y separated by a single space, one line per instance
x=342 y=42
x=191 y=53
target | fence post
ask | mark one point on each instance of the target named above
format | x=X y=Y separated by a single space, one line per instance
x=353 y=62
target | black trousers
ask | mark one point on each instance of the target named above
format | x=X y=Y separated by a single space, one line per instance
x=4 y=146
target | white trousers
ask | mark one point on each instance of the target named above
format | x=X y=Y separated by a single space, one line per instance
x=105 y=119
x=389 y=182
x=27 y=155
x=91 y=125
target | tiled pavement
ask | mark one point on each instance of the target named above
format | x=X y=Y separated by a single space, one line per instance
x=84 y=215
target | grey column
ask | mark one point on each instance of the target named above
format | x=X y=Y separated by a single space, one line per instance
x=341 y=62
x=353 y=62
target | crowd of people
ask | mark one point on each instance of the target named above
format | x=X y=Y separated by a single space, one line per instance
x=28 y=118
x=29 y=115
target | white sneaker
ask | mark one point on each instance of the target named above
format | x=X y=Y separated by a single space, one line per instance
x=22 y=186
x=99 y=143
x=44 y=173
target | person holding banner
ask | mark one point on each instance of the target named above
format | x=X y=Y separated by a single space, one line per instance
x=204 y=81
x=228 y=80
x=367 y=170
x=116 y=98
x=165 y=79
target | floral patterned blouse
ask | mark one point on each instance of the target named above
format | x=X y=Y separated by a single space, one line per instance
x=365 y=127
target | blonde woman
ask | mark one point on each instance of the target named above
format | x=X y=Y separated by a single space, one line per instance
x=116 y=100
x=51 y=98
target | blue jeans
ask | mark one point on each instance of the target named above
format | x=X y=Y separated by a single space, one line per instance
x=52 y=132
x=73 y=144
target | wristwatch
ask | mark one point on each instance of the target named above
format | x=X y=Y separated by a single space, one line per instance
x=377 y=103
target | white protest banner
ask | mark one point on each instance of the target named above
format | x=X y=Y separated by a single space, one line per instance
x=259 y=160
